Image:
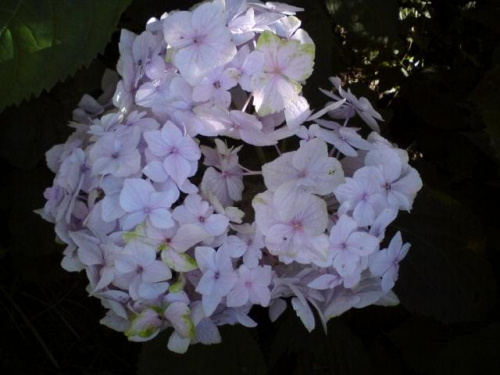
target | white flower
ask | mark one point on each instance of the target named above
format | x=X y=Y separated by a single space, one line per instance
x=201 y=40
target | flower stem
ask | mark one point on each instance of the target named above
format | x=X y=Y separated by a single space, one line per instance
x=249 y=172
x=346 y=121
x=244 y=108
x=277 y=149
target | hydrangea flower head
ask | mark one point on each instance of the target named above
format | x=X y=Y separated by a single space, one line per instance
x=181 y=197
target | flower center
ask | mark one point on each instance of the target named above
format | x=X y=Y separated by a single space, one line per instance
x=84 y=168
x=198 y=39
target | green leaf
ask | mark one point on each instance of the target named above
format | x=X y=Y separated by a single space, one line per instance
x=42 y=42
x=445 y=274
x=237 y=354
x=372 y=19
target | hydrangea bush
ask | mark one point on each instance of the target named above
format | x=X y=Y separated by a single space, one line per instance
x=148 y=193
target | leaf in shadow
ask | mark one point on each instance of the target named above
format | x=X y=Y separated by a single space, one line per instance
x=29 y=130
x=485 y=96
x=445 y=275
x=420 y=341
x=369 y=19
x=42 y=42
x=477 y=353
x=338 y=352
x=238 y=353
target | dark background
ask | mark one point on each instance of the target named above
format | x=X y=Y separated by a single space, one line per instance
x=432 y=68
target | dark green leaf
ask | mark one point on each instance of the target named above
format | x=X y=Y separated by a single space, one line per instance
x=435 y=98
x=26 y=133
x=139 y=12
x=487 y=13
x=327 y=63
x=420 y=341
x=485 y=97
x=478 y=353
x=36 y=256
x=29 y=130
x=237 y=354
x=445 y=274
x=385 y=360
x=339 y=352
x=42 y=42
x=372 y=19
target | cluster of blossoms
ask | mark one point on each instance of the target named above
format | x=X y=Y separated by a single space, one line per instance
x=148 y=192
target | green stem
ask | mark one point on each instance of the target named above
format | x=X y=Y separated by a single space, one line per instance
x=261 y=155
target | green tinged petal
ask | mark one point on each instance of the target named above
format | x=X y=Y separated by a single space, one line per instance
x=178 y=285
x=139 y=232
x=267 y=38
x=144 y=325
x=180 y=262
x=189 y=323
